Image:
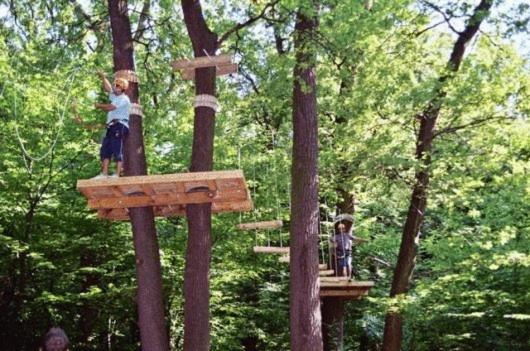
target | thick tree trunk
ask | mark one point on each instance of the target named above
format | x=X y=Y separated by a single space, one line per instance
x=198 y=253
x=150 y=298
x=418 y=203
x=306 y=333
x=333 y=323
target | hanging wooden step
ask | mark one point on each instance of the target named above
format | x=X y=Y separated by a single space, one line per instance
x=271 y=249
x=224 y=64
x=287 y=259
x=168 y=194
x=343 y=288
x=260 y=225
x=326 y=272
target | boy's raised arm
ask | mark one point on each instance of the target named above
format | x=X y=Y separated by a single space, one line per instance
x=106 y=84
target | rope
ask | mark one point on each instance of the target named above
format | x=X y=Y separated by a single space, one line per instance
x=136 y=109
x=205 y=100
x=61 y=120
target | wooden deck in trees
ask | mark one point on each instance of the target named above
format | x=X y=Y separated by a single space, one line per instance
x=168 y=194
x=343 y=288
x=224 y=64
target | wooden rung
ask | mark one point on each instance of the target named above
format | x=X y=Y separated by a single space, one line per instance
x=271 y=249
x=323 y=266
x=346 y=294
x=326 y=272
x=345 y=284
x=223 y=70
x=168 y=194
x=203 y=61
x=260 y=225
x=333 y=279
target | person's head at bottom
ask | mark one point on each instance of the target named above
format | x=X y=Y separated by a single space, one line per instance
x=55 y=340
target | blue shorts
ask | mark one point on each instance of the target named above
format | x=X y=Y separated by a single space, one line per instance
x=112 y=145
x=344 y=261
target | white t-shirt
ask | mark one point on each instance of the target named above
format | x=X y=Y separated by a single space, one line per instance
x=121 y=113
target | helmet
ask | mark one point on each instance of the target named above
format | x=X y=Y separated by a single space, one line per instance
x=122 y=83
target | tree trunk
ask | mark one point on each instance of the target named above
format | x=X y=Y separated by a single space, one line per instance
x=306 y=333
x=198 y=252
x=150 y=298
x=418 y=203
x=333 y=323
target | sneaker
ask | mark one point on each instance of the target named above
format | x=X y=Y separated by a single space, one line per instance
x=100 y=176
x=114 y=176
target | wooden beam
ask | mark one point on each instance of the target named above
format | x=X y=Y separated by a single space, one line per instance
x=351 y=294
x=333 y=279
x=326 y=272
x=189 y=74
x=271 y=249
x=260 y=225
x=345 y=284
x=203 y=61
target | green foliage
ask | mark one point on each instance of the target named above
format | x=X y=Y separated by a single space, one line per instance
x=60 y=265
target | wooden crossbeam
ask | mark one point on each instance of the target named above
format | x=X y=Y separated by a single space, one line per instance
x=188 y=74
x=352 y=294
x=345 y=284
x=203 y=61
x=271 y=249
x=260 y=225
x=168 y=194
x=326 y=272
x=333 y=279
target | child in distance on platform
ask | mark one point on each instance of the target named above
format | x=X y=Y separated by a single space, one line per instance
x=117 y=124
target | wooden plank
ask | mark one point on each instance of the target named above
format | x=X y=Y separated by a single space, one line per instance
x=326 y=272
x=352 y=294
x=137 y=181
x=221 y=70
x=323 y=266
x=345 y=284
x=271 y=249
x=120 y=214
x=333 y=279
x=202 y=61
x=260 y=225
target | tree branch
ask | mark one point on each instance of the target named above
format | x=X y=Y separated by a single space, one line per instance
x=247 y=23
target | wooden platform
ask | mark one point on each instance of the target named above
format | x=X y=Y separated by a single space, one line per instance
x=272 y=249
x=260 y=225
x=224 y=64
x=343 y=288
x=168 y=194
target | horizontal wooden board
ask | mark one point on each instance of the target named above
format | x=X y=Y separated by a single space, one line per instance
x=202 y=61
x=345 y=284
x=271 y=249
x=346 y=294
x=260 y=225
x=326 y=272
x=221 y=70
x=168 y=194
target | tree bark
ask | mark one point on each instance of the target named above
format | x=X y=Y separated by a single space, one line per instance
x=306 y=333
x=411 y=231
x=333 y=323
x=198 y=252
x=150 y=297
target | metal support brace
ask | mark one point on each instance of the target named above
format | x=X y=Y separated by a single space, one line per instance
x=205 y=100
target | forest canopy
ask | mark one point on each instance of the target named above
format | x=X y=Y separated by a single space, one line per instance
x=378 y=66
